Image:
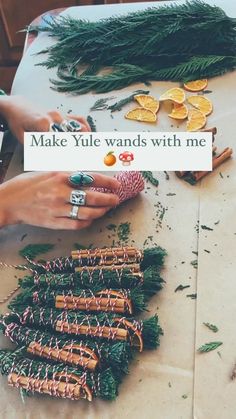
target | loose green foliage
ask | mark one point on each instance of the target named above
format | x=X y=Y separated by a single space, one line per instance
x=181 y=287
x=180 y=42
x=203 y=227
x=123 y=232
x=150 y=178
x=32 y=250
x=121 y=103
x=211 y=346
x=211 y=327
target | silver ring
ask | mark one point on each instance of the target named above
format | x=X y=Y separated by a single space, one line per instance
x=78 y=198
x=74 y=212
x=70 y=125
x=65 y=126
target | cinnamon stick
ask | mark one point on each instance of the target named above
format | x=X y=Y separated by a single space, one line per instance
x=93 y=304
x=51 y=387
x=213 y=130
x=217 y=161
x=63 y=355
x=96 y=331
x=107 y=253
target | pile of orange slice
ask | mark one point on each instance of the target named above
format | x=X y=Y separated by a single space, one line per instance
x=147 y=112
x=201 y=107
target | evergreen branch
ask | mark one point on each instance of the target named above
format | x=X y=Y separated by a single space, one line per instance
x=207 y=347
x=211 y=327
x=121 y=103
x=32 y=250
x=101 y=104
x=188 y=41
x=150 y=178
x=123 y=75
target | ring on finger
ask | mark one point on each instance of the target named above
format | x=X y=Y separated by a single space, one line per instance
x=81 y=179
x=78 y=198
x=55 y=127
x=70 y=125
x=74 y=212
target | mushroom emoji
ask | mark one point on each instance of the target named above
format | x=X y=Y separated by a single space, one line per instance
x=127 y=157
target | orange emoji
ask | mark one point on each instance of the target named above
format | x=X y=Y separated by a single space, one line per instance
x=110 y=159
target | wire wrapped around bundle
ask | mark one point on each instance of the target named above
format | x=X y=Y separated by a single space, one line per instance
x=107 y=258
x=106 y=300
x=141 y=334
x=57 y=380
x=85 y=354
x=149 y=280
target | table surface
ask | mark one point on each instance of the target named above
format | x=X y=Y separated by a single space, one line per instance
x=175 y=380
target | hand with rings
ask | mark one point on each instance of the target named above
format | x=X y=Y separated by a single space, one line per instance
x=22 y=116
x=58 y=200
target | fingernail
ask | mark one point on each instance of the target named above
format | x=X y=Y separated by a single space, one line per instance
x=81 y=179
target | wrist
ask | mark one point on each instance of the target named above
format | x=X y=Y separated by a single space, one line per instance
x=5 y=215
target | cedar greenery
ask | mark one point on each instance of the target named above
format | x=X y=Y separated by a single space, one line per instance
x=148 y=175
x=117 y=106
x=211 y=346
x=32 y=250
x=212 y=327
x=178 y=42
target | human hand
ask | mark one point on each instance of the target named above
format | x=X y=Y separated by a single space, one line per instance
x=22 y=116
x=42 y=199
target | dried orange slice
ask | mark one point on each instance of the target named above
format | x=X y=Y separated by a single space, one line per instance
x=179 y=112
x=148 y=102
x=176 y=94
x=196 y=85
x=201 y=103
x=196 y=120
x=142 y=115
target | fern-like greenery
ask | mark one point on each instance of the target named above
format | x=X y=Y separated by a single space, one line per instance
x=178 y=42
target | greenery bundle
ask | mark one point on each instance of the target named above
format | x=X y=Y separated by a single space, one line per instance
x=180 y=42
x=153 y=256
x=144 y=334
x=133 y=300
x=109 y=354
x=19 y=368
x=149 y=280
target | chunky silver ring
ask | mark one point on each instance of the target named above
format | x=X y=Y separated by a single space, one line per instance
x=70 y=125
x=74 y=212
x=65 y=126
x=78 y=198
